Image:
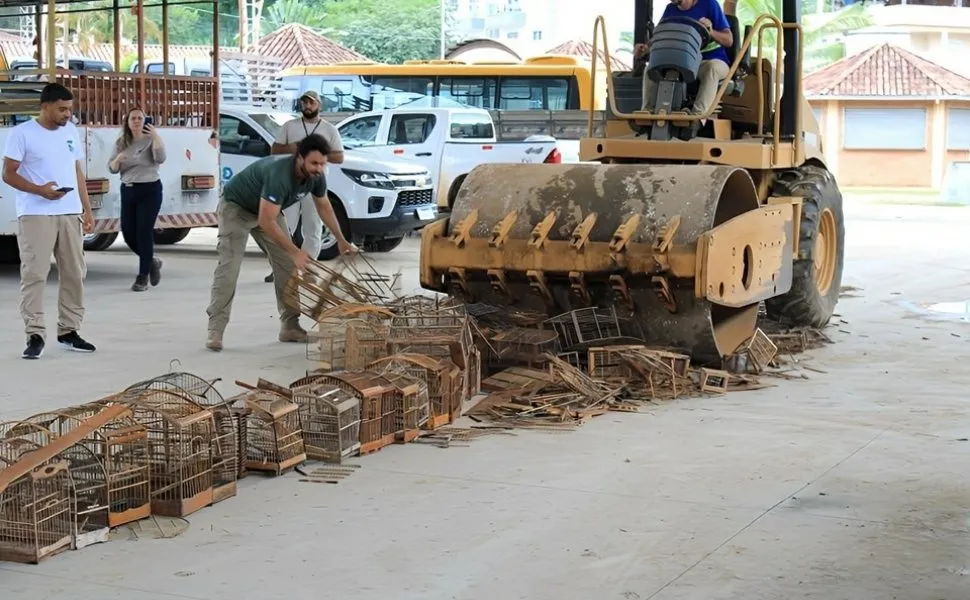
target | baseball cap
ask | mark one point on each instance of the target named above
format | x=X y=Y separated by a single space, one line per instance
x=311 y=95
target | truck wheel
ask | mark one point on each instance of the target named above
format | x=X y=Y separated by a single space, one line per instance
x=167 y=237
x=96 y=242
x=817 y=270
x=328 y=241
x=9 y=250
x=384 y=245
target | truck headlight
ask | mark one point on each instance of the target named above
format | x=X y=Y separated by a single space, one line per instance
x=370 y=179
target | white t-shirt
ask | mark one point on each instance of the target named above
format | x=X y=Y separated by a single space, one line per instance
x=46 y=155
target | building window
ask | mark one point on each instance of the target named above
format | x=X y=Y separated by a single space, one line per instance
x=492 y=34
x=884 y=129
x=958 y=129
x=537 y=35
x=512 y=35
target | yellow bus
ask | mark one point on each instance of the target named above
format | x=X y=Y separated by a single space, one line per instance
x=548 y=83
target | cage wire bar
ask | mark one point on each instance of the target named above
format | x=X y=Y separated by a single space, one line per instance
x=331 y=421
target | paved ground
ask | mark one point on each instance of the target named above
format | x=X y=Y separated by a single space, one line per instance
x=851 y=485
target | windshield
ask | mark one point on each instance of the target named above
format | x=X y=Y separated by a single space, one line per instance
x=271 y=122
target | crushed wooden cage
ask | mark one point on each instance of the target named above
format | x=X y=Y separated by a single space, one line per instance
x=327 y=343
x=520 y=346
x=331 y=421
x=275 y=432
x=661 y=374
x=180 y=437
x=376 y=397
x=321 y=287
x=420 y=304
x=227 y=436
x=446 y=334
x=35 y=503
x=441 y=376
x=594 y=326
x=411 y=405
x=120 y=445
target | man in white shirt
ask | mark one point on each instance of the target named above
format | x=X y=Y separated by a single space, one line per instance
x=293 y=132
x=42 y=162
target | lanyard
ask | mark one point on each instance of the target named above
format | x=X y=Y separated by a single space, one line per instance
x=309 y=133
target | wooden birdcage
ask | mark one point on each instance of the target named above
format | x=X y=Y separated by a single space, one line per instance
x=519 y=346
x=441 y=376
x=180 y=438
x=226 y=438
x=411 y=404
x=376 y=397
x=230 y=420
x=321 y=287
x=331 y=421
x=274 y=432
x=35 y=504
x=120 y=445
x=446 y=334
x=328 y=343
x=366 y=342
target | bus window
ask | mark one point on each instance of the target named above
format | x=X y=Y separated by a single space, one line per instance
x=534 y=93
x=337 y=95
x=391 y=92
x=470 y=91
x=471 y=126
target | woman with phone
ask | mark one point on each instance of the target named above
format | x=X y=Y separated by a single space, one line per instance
x=137 y=154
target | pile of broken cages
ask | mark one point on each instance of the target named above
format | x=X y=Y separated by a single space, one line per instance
x=536 y=372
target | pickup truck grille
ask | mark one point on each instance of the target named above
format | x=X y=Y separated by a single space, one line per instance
x=414 y=198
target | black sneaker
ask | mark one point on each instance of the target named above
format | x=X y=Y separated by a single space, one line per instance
x=269 y=278
x=35 y=347
x=155 y=275
x=75 y=342
x=141 y=283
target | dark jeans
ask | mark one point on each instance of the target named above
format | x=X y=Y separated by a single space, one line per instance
x=140 y=203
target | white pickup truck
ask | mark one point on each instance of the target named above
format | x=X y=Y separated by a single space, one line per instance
x=378 y=202
x=449 y=142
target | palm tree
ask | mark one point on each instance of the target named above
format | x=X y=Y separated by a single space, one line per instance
x=285 y=12
x=821 y=32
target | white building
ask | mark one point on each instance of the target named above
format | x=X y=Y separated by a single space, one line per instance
x=532 y=27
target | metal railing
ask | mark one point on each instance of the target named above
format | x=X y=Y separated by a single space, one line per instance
x=765 y=22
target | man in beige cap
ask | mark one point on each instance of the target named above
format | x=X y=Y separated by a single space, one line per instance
x=293 y=132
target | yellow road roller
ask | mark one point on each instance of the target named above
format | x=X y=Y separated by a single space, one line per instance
x=684 y=222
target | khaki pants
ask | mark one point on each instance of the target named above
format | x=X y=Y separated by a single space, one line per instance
x=709 y=76
x=235 y=226
x=40 y=237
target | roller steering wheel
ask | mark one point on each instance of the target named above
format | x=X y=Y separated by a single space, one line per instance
x=701 y=30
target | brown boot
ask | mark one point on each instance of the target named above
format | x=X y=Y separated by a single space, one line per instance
x=295 y=335
x=214 y=341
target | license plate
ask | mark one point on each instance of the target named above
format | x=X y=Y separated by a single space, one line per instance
x=96 y=201
x=425 y=213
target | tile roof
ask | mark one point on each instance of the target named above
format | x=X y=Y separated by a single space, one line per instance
x=584 y=50
x=298 y=45
x=885 y=70
x=106 y=53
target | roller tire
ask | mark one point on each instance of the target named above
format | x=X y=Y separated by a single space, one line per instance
x=804 y=305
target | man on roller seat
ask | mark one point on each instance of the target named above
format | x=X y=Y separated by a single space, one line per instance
x=714 y=66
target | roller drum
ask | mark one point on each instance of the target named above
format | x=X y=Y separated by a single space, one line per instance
x=703 y=196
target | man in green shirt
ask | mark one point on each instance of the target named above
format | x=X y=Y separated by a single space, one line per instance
x=252 y=203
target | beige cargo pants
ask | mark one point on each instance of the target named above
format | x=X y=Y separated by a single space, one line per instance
x=235 y=226
x=709 y=76
x=40 y=237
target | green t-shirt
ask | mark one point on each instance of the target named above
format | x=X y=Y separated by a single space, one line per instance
x=273 y=178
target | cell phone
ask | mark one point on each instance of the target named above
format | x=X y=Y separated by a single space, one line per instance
x=65 y=189
x=148 y=121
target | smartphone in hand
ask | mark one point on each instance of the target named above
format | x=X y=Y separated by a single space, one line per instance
x=149 y=122
x=65 y=190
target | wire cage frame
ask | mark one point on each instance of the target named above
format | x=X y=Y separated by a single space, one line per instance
x=421 y=304
x=376 y=398
x=225 y=442
x=121 y=445
x=180 y=437
x=35 y=508
x=446 y=334
x=412 y=407
x=520 y=346
x=327 y=343
x=320 y=287
x=366 y=342
x=441 y=376
x=331 y=421
x=585 y=327
x=274 y=432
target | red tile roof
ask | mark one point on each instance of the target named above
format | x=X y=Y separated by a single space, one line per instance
x=885 y=70
x=298 y=45
x=584 y=50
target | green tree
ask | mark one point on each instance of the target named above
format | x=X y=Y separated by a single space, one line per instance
x=385 y=31
x=822 y=31
x=284 y=12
